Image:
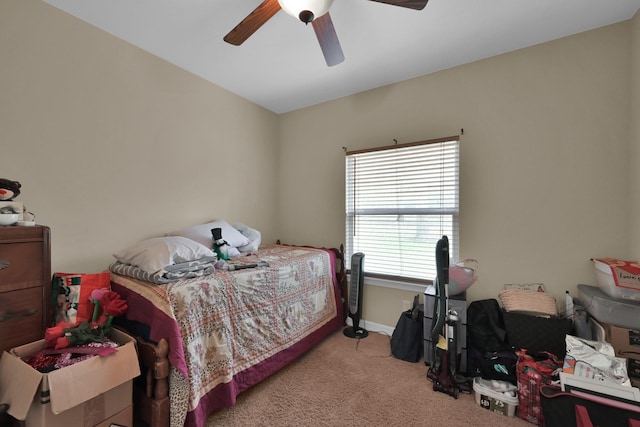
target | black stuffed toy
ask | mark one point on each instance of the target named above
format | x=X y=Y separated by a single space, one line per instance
x=9 y=189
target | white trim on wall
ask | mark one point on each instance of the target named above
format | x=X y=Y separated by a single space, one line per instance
x=373 y=327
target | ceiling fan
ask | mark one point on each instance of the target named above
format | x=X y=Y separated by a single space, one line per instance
x=314 y=11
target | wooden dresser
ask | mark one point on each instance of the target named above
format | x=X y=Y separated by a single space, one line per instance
x=25 y=284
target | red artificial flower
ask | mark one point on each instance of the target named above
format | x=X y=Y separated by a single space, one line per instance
x=62 y=342
x=52 y=334
x=112 y=304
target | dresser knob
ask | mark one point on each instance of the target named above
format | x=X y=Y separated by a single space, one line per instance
x=3 y=263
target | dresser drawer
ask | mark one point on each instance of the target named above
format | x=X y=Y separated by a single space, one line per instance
x=21 y=318
x=21 y=265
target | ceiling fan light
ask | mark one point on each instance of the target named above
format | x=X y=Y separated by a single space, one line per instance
x=306 y=16
x=300 y=9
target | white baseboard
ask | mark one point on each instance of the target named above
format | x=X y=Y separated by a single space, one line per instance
x=373 y=327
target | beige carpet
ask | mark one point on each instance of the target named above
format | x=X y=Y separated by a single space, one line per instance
x=349 y=382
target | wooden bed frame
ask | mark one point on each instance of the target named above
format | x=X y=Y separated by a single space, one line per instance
x=151 y=390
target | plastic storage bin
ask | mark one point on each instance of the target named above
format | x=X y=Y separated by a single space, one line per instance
x=457 y=303
x=606 y=282
x=496 y=396
x=605 y=309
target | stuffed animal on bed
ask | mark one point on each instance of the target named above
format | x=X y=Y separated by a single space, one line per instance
x=220 y=246
x=9 y=189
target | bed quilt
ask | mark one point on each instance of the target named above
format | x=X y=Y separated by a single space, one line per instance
x=221 y=325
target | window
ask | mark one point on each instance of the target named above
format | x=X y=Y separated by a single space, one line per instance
x=399 y=201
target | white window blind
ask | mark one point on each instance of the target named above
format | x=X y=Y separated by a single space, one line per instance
x=399 y=201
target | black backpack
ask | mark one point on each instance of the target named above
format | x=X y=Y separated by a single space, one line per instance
x=485 y=326
x=488 y=353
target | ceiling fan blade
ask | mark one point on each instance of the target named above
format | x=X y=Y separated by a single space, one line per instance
x=411 y=4
x=252 y=22
x=326 y=34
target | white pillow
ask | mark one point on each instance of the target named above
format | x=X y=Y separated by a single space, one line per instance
x=254 y=236
x=202 y=234
x=154 y=254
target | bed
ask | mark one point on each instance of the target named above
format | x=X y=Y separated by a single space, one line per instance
x=203 y=340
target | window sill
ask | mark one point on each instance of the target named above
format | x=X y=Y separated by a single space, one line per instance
x=395 y=284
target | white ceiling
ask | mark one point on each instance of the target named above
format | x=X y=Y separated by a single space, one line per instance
x=282 y=68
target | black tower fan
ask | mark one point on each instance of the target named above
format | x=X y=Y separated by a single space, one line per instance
x=355 y=298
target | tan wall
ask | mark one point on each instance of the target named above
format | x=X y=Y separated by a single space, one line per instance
x=544 y=169
x=112 y=144
x=634 y=157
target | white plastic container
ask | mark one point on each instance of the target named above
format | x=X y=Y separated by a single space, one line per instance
x=606 y=282
x=496 y=396
x=624 y=313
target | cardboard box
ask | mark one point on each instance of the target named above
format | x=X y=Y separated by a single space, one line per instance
x=123 y=418
x=83 y=394
x=626 y=343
